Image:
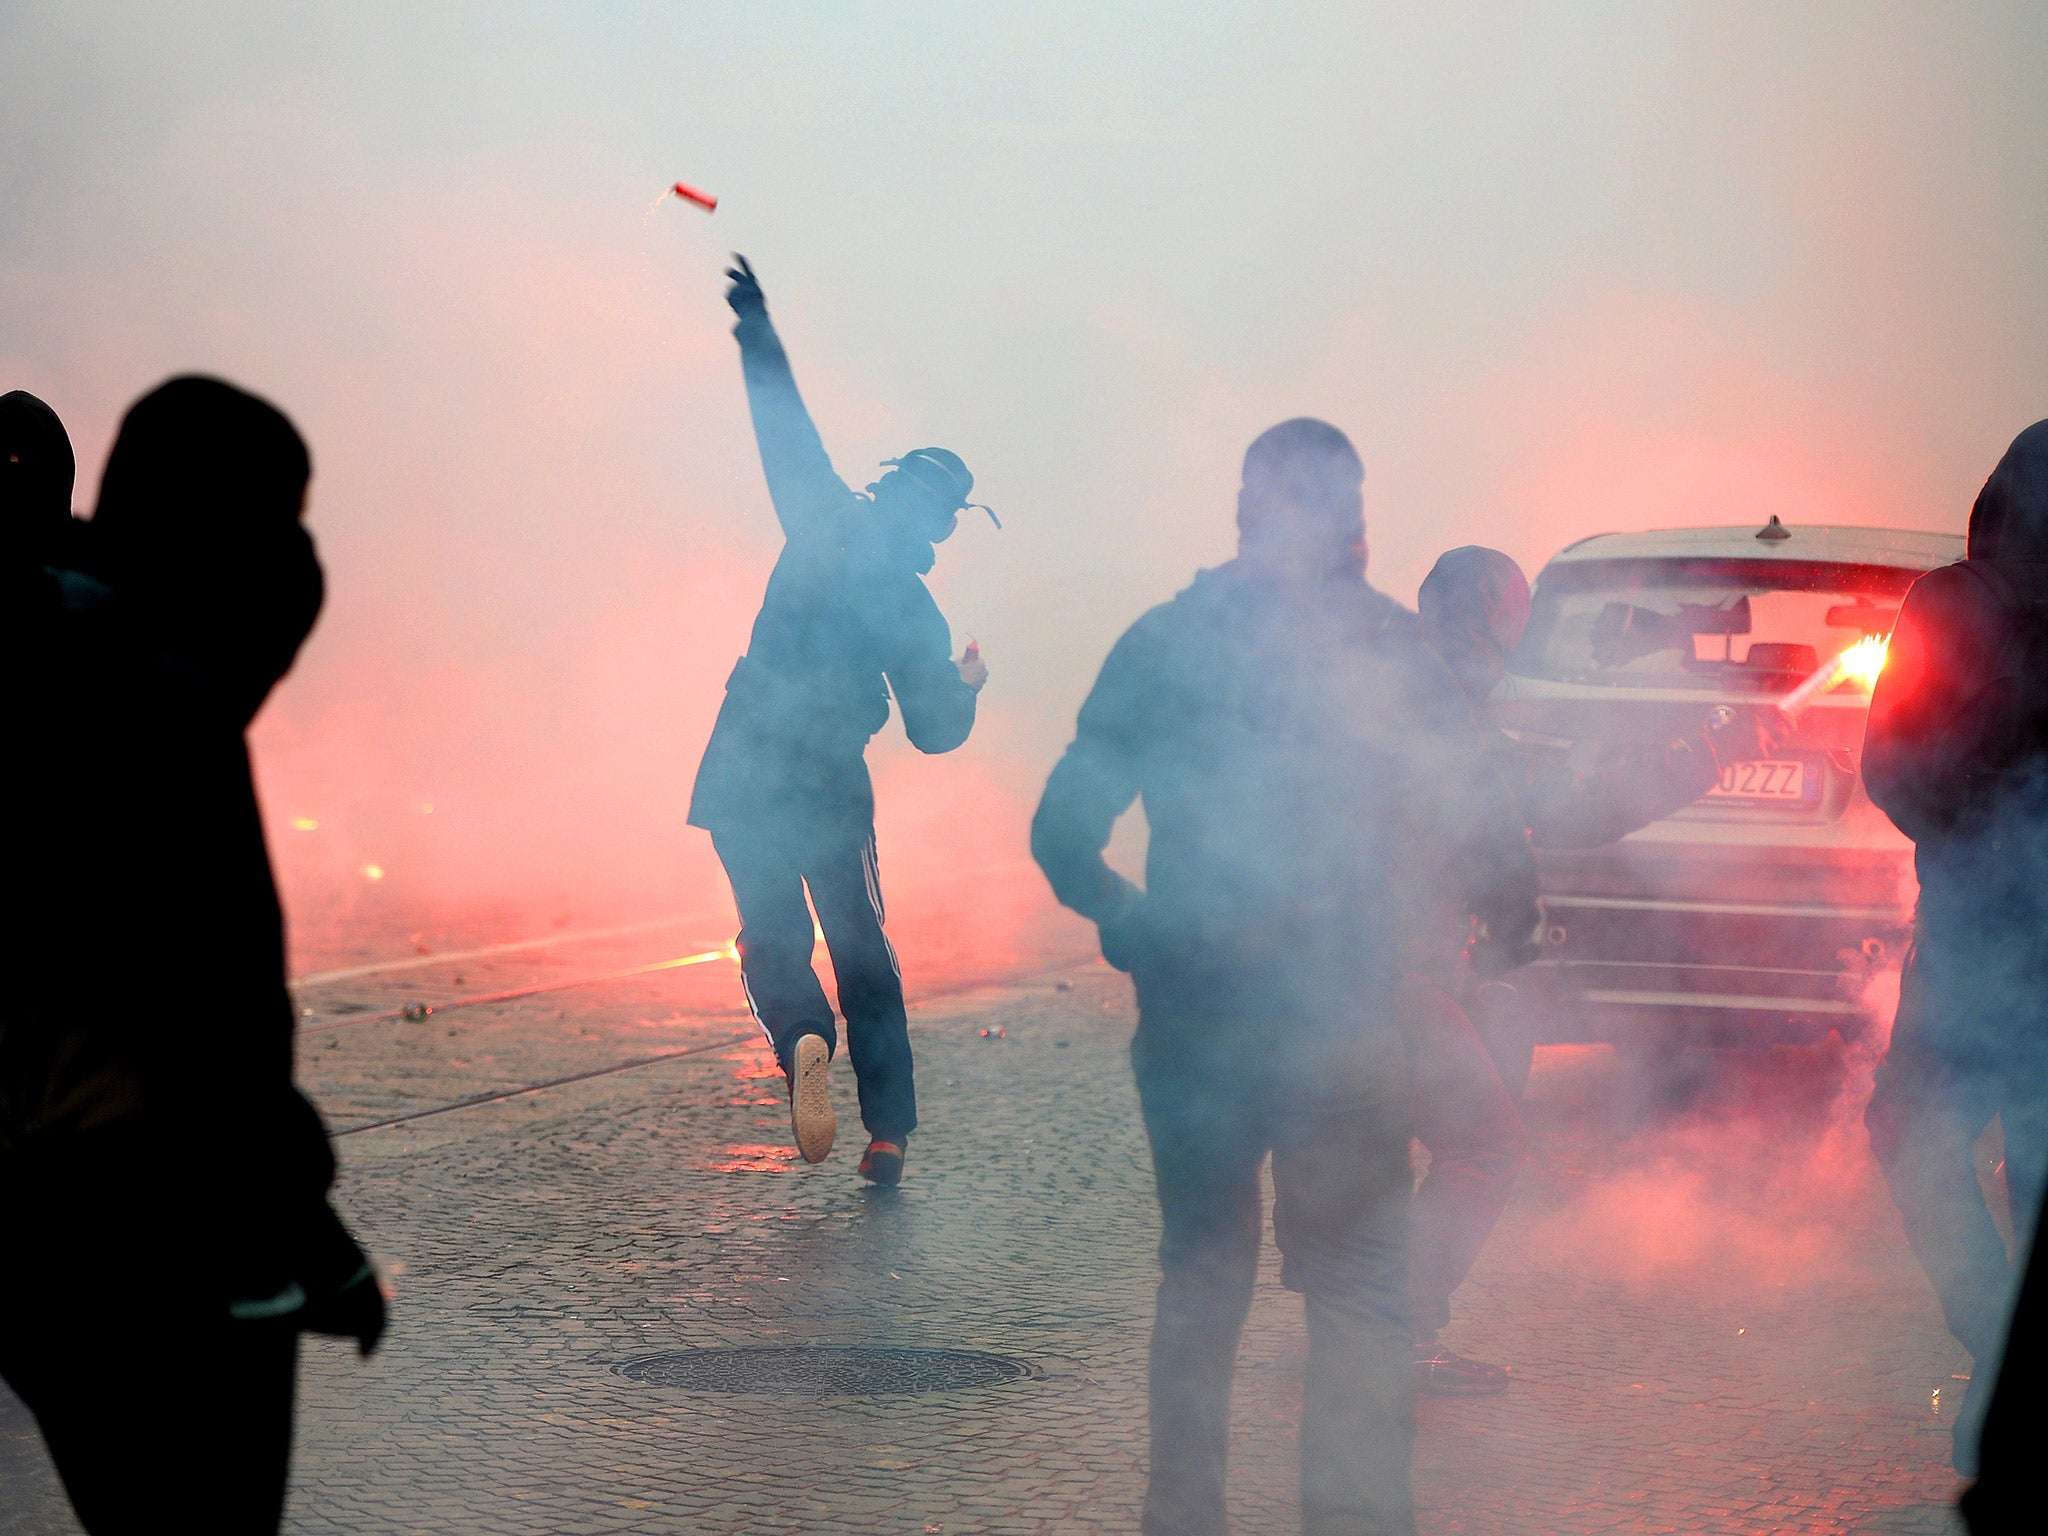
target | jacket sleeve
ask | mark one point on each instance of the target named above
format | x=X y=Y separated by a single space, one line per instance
x=1095 y=782
x=938 y=708
x=808 y=494
x=1938 y=716
x=1597 y=793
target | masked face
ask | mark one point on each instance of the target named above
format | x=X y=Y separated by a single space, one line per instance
x=906 y=503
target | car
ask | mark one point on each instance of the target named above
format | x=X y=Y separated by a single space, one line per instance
x=1763 y=912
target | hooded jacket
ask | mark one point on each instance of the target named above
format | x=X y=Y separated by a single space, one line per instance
x=1310 y=776
x=1475 y=607
x=1956 y=749
x=161 y=936
x=846 y=621
x=36 y=474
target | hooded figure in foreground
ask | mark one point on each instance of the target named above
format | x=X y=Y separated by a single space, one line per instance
x=36 y=474
x=783 y=788
x=163 y=1185
x=1956 y=753
x=1307 y=769
x=1470 y=1043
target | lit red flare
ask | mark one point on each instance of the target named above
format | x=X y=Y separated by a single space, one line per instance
x=1860 y=663
x=690 y=194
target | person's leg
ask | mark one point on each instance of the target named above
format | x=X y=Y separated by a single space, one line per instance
x=1341 y=1180
x=775 y=943
x=189 y=1419
x=1205 y=1161
x=1463 y=1114
x=1503 y=1013
x=846 y=885
x=1924 y=1118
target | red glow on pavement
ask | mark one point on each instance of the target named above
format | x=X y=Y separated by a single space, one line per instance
x=755 y=1157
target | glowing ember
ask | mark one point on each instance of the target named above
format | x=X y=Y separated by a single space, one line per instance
x=305 y=824
x=373 y=871
x=690 y=194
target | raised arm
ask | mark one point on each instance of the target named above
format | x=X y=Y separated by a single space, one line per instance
x=808 y=494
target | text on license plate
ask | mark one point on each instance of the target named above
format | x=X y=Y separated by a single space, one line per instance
x=1768 y=779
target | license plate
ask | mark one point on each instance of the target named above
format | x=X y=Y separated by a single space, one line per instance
x=1775 y=780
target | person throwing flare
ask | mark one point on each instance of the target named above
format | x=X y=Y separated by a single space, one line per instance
x=783 y=788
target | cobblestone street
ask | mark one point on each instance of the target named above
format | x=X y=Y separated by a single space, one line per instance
x=1712 y=1316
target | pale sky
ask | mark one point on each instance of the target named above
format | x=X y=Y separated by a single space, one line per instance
x=1556 y=268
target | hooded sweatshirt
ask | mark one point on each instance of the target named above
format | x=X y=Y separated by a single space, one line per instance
x=1956 y=750
x=1474 y=607
x=161 y=930
x=846 y=621
x=1311 y=778
x=36 y=474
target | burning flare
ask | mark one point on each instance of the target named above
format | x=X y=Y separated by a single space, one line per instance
x=1859 y=664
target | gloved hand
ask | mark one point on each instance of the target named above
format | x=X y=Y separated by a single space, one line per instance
x=331 y=1287
x=343 y=1295
x=355 y=1310
x=1743 y=735
x=745 y=296
x=1495 y=954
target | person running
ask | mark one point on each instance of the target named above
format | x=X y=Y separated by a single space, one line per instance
x=783 y=787
x=1302 y=760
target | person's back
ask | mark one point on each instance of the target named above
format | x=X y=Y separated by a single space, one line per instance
x=1304 y=765
x=1267 y=725
x=1956 y=753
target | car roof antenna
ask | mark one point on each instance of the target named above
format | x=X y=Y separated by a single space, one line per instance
x=1774 y=530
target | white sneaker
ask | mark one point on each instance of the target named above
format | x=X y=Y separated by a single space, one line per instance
x=810 y=1101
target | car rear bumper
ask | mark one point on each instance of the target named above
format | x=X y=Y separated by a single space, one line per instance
x=1708 y=972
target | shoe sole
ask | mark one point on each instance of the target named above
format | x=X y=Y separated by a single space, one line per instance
x=810 y=1100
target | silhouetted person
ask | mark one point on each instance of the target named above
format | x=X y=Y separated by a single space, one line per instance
x=1956 y=753
x=36 y=474
x=1305 y=765
x=1473 y=608
x=163 y=1185
x=783 y=789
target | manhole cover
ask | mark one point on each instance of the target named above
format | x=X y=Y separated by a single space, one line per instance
x=849 y=1372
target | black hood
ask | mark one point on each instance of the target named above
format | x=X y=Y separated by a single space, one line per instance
x=1474 y=606
x=36 y=474
x=2010 y=519
x=198 y=532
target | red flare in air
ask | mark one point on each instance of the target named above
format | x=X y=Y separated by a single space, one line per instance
x=690 y=194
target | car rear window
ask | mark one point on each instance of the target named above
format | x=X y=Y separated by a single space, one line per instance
x=1720 y=624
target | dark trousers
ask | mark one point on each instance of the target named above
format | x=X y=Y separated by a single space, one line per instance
x=159 y=1411
x=769 y=876
x=1938 y=1087
x=1336 y=1127
x=186 y=1422
x=1464 y=1115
